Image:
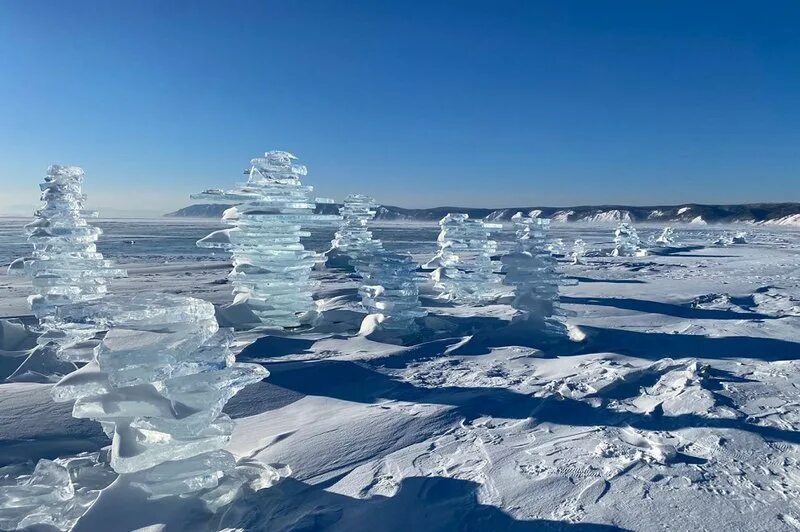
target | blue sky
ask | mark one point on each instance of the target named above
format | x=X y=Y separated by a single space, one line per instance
x=427 y=103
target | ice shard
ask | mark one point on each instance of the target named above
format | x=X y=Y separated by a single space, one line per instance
x=353 y=239
x=269 y=215
x=390 y=296
x=531 y=271
x=54 y=494
x=465 y=270
x=627 y=242
x=158 y=384
x=65 y=268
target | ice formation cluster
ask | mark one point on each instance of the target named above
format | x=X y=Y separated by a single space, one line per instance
x=157 y=385
x=390 y=295
x=65 y=268
x=627 y=242
x=353 y=239
x=531 y=270
x=465 y=270
x=271 y=267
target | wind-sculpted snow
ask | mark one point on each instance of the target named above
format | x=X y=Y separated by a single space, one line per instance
x=531 y=270
x=65 y=268
x=390 y=296
x=353 y=238
x=271 y=267
x=465 y=270
x=627 y=242
x=158 y=384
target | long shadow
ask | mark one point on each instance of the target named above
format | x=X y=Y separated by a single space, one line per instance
x=667 y=309
x=361 y=383
x=654 y=345
x=421 y=504
x=675 y=251
x=609 y=281
x=276 y=346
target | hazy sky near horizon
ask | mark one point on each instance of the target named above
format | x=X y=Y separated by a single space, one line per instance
x=491 y=103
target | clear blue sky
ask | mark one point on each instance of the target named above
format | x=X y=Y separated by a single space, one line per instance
x=426 y=103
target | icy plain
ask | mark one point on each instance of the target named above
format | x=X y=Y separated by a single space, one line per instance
x=678 y=410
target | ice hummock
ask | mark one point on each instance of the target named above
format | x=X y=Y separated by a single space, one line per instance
x=578 y=251
x=271 y=268
x=666 y=238
x=158 y=383
x=390 y=296
x=465 y=271
x=531 y=270
x=65 y=268
x=627 y=242
x=353 y=239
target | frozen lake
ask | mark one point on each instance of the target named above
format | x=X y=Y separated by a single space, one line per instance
x=683 y=393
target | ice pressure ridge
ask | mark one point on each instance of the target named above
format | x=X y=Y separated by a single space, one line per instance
x=627 y=242
x=465 y=270
x=271 y=267
x=531 y=271
x=353 y=239
x=65 y=268
x=158 y=384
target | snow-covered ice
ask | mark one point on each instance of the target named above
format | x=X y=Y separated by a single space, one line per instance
x=677 y=409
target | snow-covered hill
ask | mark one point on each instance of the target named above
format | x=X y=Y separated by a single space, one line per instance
x=770 y=213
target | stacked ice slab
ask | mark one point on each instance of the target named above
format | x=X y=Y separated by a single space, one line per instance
x=390 y=295
x=627 y=242
x=465 y=270
x=271 y=267
x=354 y=239
x=531 y=270
x=158 y=384
x=65 y=266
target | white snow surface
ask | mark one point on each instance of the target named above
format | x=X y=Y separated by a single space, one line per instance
x=678 y=410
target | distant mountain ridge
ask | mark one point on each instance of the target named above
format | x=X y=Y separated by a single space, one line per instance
x=768 y=213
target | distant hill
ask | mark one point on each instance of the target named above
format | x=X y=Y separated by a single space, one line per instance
x=769 y=213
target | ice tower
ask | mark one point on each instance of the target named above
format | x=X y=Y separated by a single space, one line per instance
x=465 y=270
x=627 y=242
x=158 y=384
x=531 y=270
x=65 y=269
x=353 y=239
x=270 y=213
x=390 y=296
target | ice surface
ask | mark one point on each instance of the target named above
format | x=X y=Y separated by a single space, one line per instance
x=159 y=381
x=65 y=268
x=390 y=296
x=627 y=242
x=531 y=270
x=271 y=267
x=353 y=239
x=465 y=270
